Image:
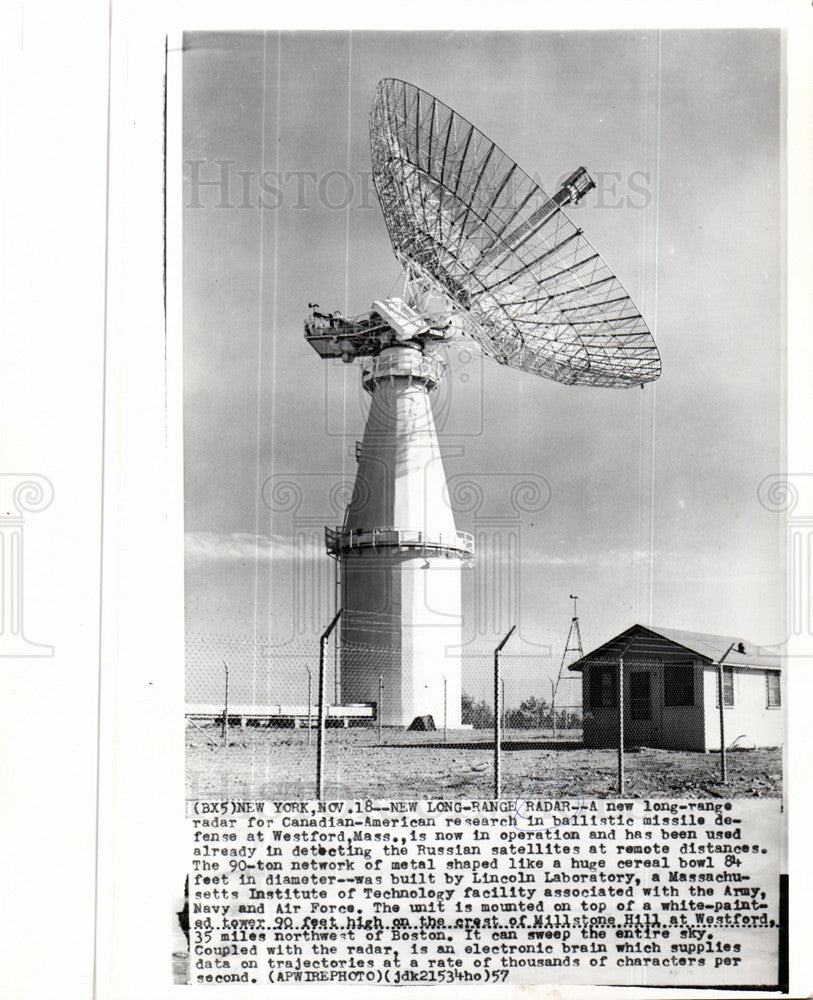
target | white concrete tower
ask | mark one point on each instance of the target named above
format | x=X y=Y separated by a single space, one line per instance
x=400 y=553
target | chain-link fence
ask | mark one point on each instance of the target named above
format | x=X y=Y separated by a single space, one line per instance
x=258 y=683
x=253 y=725
x=252 y=712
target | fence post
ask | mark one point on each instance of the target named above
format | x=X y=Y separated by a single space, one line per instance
x=497 y=713
x=723 y=762
x=621 y=717
x=621 y=725
x=320 y=734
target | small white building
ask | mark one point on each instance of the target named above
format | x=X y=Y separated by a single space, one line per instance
x=670 y=691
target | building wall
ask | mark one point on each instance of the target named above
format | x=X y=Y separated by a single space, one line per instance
x=683 y=724
x=749 y=722
x=676 y=727
x=600 y=727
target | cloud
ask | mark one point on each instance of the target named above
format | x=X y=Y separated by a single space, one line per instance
x=606 y=558
x=245 y=546
x=541 y=559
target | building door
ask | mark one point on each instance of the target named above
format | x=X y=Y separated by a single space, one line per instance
x=639 y=707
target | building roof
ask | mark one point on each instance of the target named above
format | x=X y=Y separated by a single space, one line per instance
x=679 y=646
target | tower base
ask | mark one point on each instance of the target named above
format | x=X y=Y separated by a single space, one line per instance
x=400 y=637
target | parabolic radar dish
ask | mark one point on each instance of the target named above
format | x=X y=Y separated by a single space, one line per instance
x=524 y=282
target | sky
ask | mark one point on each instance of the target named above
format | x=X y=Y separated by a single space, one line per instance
x=646 y=499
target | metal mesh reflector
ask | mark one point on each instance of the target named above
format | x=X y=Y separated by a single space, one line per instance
x=533 y=292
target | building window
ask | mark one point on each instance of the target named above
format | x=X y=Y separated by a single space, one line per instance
x=678 y=685
x=603 y=687
x=773 y=689
x=728 y=689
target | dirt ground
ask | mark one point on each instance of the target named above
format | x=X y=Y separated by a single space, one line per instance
x=280 y=764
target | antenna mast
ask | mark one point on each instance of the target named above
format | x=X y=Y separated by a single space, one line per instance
x=572 y=645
